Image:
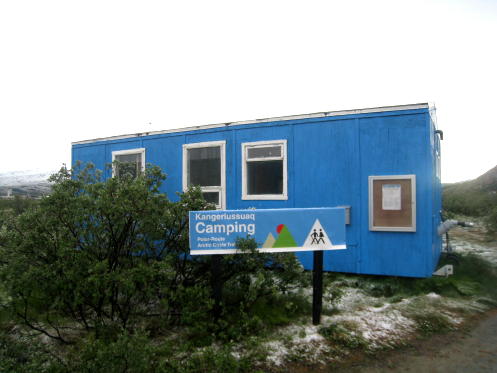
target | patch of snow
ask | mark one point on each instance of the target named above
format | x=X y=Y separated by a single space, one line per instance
x=277 y=354
x=379 y=328
x=488 y=253
x=453 y=318
x=433 y=296
x=353 y=299
x=303 y=340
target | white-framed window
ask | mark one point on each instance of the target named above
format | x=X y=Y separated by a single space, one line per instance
x=264 y=170
x=204 y=164
x=130 y=161
x=392 y=203
x=437 y=157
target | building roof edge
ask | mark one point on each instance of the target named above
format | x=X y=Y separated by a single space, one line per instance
x=264 y=120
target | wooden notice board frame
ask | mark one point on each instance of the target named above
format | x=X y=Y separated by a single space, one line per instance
x=392 y=203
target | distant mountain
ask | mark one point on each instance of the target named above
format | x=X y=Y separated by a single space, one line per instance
x=473 y=197
x=32 y=183
x=487 y=181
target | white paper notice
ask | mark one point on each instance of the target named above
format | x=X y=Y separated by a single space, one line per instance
x=391 y=197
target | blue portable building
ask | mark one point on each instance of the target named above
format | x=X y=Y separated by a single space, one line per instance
x=383 y=164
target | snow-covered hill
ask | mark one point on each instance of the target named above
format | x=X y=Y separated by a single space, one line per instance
x=15 y=178
x=32 y=183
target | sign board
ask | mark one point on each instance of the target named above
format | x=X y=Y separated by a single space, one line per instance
x=275 y=230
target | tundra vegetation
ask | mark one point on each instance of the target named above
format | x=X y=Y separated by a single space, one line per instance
x=96 y=277
x=476 y=199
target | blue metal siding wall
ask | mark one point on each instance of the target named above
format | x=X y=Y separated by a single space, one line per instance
x=436 y=197
x=396 y=145
x=166 y=153
x=89 y=153
x=329 y=161
x=326 y=168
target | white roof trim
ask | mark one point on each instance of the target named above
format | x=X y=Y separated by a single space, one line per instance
x=283 y=118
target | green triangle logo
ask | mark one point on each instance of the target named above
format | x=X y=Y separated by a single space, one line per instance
x=285 y=239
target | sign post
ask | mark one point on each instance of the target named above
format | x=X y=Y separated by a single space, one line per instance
x=317 y=287
x=274 y=230
x=216 y=284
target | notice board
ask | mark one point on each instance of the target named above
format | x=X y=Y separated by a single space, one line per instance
x=392 y=203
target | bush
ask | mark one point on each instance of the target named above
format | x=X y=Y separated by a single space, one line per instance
x=491 y=220
x=251 y=283
x=17 y=205
x=98 y=255
x=432 y=323
x=127 y=353
x=98 y=261
x=473 y=276
x=24 y=355
x=339 y=335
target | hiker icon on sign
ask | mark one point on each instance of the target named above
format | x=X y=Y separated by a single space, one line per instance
x=314 y=236
x=317 y=237
x=321 y=237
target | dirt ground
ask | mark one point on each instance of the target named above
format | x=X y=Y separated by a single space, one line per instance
x=472 y=349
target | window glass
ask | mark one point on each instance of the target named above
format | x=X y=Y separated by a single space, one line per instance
x=264 y=170
x=437 y=157
x=129 y=164
x=204 y=166
x=264 y=152
x=265 y=177
x=211 y=197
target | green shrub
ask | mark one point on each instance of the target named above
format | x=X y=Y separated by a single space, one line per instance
x=341 y=336
x=215 y=360
x=125 y=353
x=466 y=199
x=18 y=204
x=473 y=276
x=139 y=354
x=432 y=323
x=491 y=220
x=24 y=355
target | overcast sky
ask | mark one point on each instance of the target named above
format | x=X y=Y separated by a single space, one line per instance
x=76 y=70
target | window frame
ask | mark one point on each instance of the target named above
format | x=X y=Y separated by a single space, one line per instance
x=221 y=189
x=283 y=157
x=438 y=151
x=410 y=228
x=128 y=152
